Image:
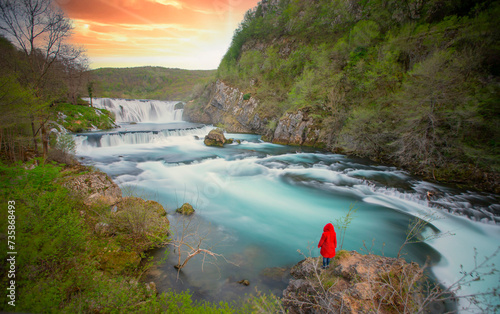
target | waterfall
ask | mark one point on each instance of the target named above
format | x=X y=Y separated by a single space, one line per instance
x=88 y=141
x=140 y=110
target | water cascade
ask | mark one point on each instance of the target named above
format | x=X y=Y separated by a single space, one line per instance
x=263 y=202
x=131 y=110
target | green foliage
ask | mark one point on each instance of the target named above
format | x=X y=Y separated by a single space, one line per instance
x=81 y=118
x=66 y=144
x=148 y=82
x=246 y=96
x=413 y=83
x=58 y=266
x=342 y=223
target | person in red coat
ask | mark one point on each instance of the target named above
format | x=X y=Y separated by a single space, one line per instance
x=328 y=244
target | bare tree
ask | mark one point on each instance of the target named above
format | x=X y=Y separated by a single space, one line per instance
x=342 y=223
x=40 y=30
x=76 y=73
x=415 y=231
x=189 y=240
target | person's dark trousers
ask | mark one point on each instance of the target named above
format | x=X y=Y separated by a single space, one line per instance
x=326 y=262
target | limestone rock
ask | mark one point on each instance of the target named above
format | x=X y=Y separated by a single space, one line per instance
x=132 y=201
x=296 y=128
x=95 y=187
x=353 y=284
x=186 y=209
x=143 y=224
x=305 y=268
x=226 y=104
x=215 y=138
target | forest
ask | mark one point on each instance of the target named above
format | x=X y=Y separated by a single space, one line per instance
x=149 y=82
x=414 y=83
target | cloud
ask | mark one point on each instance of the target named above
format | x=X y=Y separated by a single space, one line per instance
x=174 y=3
x=163 y=32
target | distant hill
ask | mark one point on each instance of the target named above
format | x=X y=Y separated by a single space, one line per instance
x=148 y=82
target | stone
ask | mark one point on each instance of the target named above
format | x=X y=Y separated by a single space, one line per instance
x=353 y=284
x=226 y=105
x=244 y=282
x=151 y=287
x=132 y=201
x=186 y=209
x=102 y=228
x=215 y=138
x=95 y=187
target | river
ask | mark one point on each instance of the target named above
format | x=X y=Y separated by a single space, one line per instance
x=263 y=206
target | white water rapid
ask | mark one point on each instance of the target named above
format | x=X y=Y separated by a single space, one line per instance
x=131 y=110
x=262 y=202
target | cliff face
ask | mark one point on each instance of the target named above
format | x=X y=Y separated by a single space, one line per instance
x=228 y=106
x=237 y=112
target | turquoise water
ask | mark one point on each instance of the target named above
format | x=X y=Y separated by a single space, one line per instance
x=259 y=204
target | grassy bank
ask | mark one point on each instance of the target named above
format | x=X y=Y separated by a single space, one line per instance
x=81 y=118
x=66 y=263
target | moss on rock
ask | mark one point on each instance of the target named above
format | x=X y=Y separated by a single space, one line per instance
x=186 y=209
x=119 y=262
x=215 y=138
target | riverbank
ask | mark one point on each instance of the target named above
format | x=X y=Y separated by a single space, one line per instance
x=232 y=108
x=81 y=243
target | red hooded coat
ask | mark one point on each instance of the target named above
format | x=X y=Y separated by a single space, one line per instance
x=328 y=241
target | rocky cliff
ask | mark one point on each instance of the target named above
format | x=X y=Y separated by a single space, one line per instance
x=226 y=105
x=239 y=112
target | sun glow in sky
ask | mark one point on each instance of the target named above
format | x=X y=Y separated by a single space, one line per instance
x=186 y=34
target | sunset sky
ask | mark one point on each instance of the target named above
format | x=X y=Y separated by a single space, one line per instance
x=186 y=34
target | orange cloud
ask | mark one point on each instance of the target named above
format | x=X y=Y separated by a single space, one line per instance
x=190 y=34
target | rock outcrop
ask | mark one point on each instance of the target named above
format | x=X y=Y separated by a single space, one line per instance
x=215 y=138
x=354 y=283
x=95 y=187
x=228 y=106
x=297 y=128
x=238 y=112
x=186 y=209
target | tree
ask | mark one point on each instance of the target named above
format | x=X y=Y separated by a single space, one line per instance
x=189 y=240
x=39 y=29
x=90 y=90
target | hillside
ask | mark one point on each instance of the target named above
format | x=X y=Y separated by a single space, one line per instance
x=148 y=82
x=413 y=83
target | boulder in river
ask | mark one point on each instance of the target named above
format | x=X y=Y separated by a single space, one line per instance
x=215 y=138
x=186 y=209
